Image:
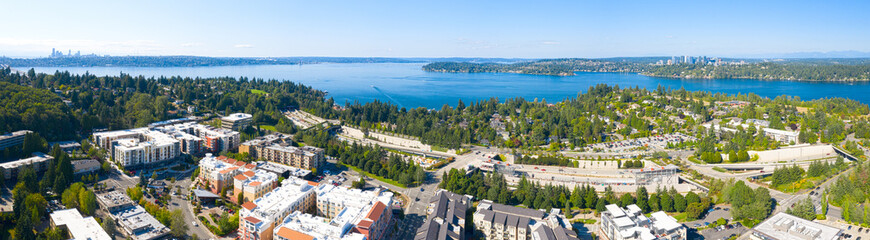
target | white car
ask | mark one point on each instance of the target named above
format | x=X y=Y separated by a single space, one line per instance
x=195 y=224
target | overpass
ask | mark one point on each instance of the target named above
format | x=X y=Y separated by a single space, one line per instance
x=845 y=154
x=693 y=183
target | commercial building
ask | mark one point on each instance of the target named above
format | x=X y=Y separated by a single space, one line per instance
x=446 y=217
x=135 y=222
x=205 y=197
x=13 y=139
x=275 y=149
x=498 y=221
x=630 y=223
x=78 y=227
x=84 y=167
x=138 y=224
x=342 y=213
x=782 y=136
x=253 y=184
x=236 y=121
x=113 y=201
x=783 y=226
x=258 y=218
x=67 y=146
x=39 y=162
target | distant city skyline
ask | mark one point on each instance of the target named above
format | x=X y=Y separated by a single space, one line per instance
x=512 y=29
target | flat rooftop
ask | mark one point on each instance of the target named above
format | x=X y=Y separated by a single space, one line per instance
x=79 y=227
x=787 y=226
x=236 y=117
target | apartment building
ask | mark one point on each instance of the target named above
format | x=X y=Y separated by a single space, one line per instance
x=253 y=184
x=253 y=146
x=148 y=146
x=138 y=147
x=630 y=224
x=275 y=148
x=445 y=217
x=258 y=218
x=39 y=162
x=13 y=139
x=217 y=172
x=341 y=213
x=213 y=139
x=498 y=221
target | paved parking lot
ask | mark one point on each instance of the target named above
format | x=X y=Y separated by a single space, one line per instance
x=856 y=232
x=713 y=234
x=712 y=216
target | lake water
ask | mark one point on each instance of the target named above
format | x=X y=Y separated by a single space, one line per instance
x=407 y=85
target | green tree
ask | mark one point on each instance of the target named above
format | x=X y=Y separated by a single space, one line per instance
x=642 y=198
x=625 y=200
x=803 y=209
x=110 y=227
x=177 y=226
x=87 y=202
x=24 y=228
x=679 y=203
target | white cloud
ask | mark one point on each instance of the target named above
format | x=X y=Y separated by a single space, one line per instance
x=194 y=44
x=550 y=43
x=243 y=46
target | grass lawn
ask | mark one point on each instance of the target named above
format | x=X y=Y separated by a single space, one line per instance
x=719 y=169
x=437 y=148
x=389 y=181
x=680 y=217
x=584 y=221
x=268 y=127
x=805 y=183
x=694 y=160
x=258 y=91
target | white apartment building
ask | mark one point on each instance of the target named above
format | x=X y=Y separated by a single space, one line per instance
x=39 y=162
x=342 y=214
x=216 y=172
x=259 y=217
x=150 y=148
x=630 y=224
x=143 y=146
x=253 y=184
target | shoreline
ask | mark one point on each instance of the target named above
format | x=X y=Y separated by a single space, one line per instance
x=562 y=74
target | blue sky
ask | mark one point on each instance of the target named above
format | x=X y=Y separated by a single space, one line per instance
x=526 y=29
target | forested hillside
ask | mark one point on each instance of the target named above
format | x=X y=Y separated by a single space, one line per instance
x=31 y=108
x=803 y=69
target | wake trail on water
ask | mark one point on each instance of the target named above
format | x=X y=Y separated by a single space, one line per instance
x=388 y=96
